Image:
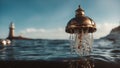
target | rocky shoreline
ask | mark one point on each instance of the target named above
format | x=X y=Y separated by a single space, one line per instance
x=114 y=35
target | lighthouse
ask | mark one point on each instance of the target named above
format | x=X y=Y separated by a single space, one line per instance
x=11 y=30
x=11 y=35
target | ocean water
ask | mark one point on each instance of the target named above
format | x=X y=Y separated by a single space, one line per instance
x=50 y=50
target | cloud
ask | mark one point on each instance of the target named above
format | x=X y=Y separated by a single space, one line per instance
x=103 y=29
x=30 y=30
x=57 y=33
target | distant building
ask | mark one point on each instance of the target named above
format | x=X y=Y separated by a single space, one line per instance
x=11 y=30
x=12 y=36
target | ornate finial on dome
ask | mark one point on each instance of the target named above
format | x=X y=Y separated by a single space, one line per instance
x=79 y=11
x=79 y=6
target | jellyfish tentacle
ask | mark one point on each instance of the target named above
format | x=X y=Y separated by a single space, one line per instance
x=82 y=42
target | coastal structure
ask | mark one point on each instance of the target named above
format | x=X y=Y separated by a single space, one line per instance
x=12 y=36
x=11 y=30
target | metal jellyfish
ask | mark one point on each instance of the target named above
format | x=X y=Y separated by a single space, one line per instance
x=81 y=30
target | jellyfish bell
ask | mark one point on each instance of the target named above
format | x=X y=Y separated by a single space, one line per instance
x=80 y=22
x=81 y=28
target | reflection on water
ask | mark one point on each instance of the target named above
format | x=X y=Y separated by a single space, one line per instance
x=84 y=62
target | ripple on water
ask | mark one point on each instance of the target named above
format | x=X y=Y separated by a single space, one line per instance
x=115 y=51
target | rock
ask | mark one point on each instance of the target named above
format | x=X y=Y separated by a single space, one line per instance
x=5 y=42
x=116 y=30
x=114 y=35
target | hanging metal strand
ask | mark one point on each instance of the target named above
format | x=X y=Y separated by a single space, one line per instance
x=81 y=43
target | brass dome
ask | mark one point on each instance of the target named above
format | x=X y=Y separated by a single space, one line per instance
x=80 y=22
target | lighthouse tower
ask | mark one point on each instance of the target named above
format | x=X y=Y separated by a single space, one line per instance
x=11 y=30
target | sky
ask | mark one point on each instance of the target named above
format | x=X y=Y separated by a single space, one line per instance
x=47 y=19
